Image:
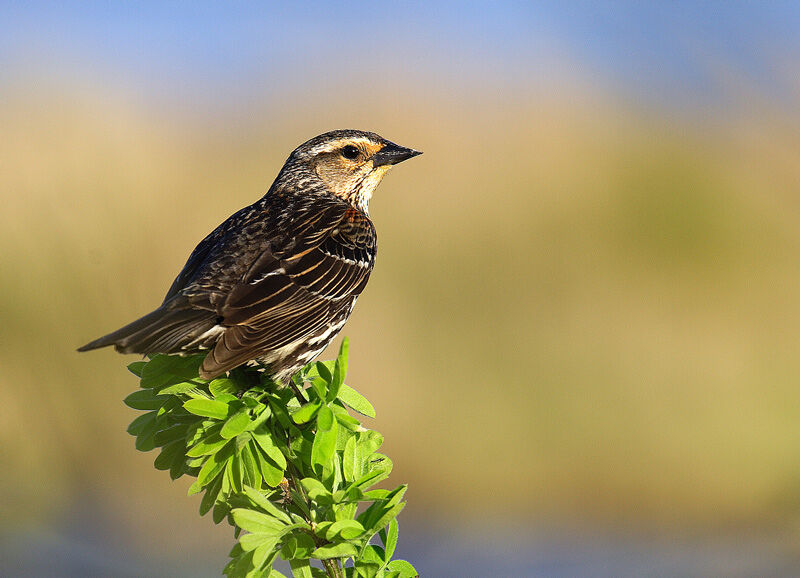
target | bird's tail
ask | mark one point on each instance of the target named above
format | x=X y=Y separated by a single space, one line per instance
x=161 y=331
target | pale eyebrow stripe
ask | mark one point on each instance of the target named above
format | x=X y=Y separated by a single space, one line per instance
x=337 y=144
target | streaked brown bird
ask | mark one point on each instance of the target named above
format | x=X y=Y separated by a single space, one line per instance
x=277 y=280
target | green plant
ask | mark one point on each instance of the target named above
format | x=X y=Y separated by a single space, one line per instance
x=294 y=479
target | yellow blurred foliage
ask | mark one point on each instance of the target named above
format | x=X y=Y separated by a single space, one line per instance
x=579 y=309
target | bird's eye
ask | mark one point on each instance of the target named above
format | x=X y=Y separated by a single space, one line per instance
x=350 y=152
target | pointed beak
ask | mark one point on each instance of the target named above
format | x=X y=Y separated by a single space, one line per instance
x=392 y=154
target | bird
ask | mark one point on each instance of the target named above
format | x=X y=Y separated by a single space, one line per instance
x=277 y=280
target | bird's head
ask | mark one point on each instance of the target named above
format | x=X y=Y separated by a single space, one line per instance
x=349 y=163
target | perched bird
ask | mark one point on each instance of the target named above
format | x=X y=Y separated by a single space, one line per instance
x=277 y=280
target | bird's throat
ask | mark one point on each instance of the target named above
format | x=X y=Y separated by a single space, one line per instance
x=362 y=193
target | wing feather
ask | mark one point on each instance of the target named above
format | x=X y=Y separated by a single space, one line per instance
x=301 y=283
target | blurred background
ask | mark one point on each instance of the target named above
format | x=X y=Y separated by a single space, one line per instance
x=582 y=335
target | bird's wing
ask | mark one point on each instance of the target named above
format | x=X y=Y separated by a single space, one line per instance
x=206 y=247
x=297 y=286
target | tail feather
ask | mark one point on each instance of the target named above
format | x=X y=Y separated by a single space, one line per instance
x=161 y=331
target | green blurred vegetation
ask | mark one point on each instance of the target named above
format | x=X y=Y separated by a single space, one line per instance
x=611 y=296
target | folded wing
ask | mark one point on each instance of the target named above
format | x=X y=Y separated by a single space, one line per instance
x=301 y=286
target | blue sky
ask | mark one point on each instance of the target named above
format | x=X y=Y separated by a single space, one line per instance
x=664 y=52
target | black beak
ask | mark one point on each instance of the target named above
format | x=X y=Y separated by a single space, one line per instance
x=392 y=154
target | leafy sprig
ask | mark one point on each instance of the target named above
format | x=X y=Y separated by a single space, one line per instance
x=295 y=480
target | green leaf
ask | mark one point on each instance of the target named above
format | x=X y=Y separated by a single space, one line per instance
x=316 y=490
x=272 y=474
x=376 y=511
x=373 y=556
x=377 y=518
x=324 y=418
x=263 y=502
x=262 y=413
x=242 y=440
x=344 y=354
x=195 y=488
x=358 y=457
x=235 y=424
x=324 y=373
x=196 y=463
x=170 y=369
x=221 y=510
x=304 y=545
x=345 y=418
x=215 y=464
x=322 y=528
x=250 y=401
x=257 y=522
x=143 y=423
x=250 y=470
x=289 y=547
x=253 y=541
x=344 y=435
x=380 y=463
x=210 y=496
x=369 y=442
x=406 y=570
x=339 y=500
x=223 y=385
x=233 y=471
x=196 y=431
x=263 y=437
x=228 y=398
x=396 y=495
x=356 y=401
x=263 y=555
x=319 y=387
x=171 y=404
x=136 y=367
x=177 y=469
x=354 y=494
x=169 y=453
x=182 y=387
x=347 y=529
x=367 y=569
x=350 y=464
x=207 y=408
x=300 y=568
x=305 y=413
x=370 y=479
x=173 y=433
x=339 y=371
x=389 y=538
x=324 y=447
x=241 y=563
x=308 y=373
x=207 y=445
x=297 y=546
x=343 y=550
x=146 y=442
x=144 y=399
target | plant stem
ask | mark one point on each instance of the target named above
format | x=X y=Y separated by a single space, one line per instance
x=333 y=568
x=300 y=397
